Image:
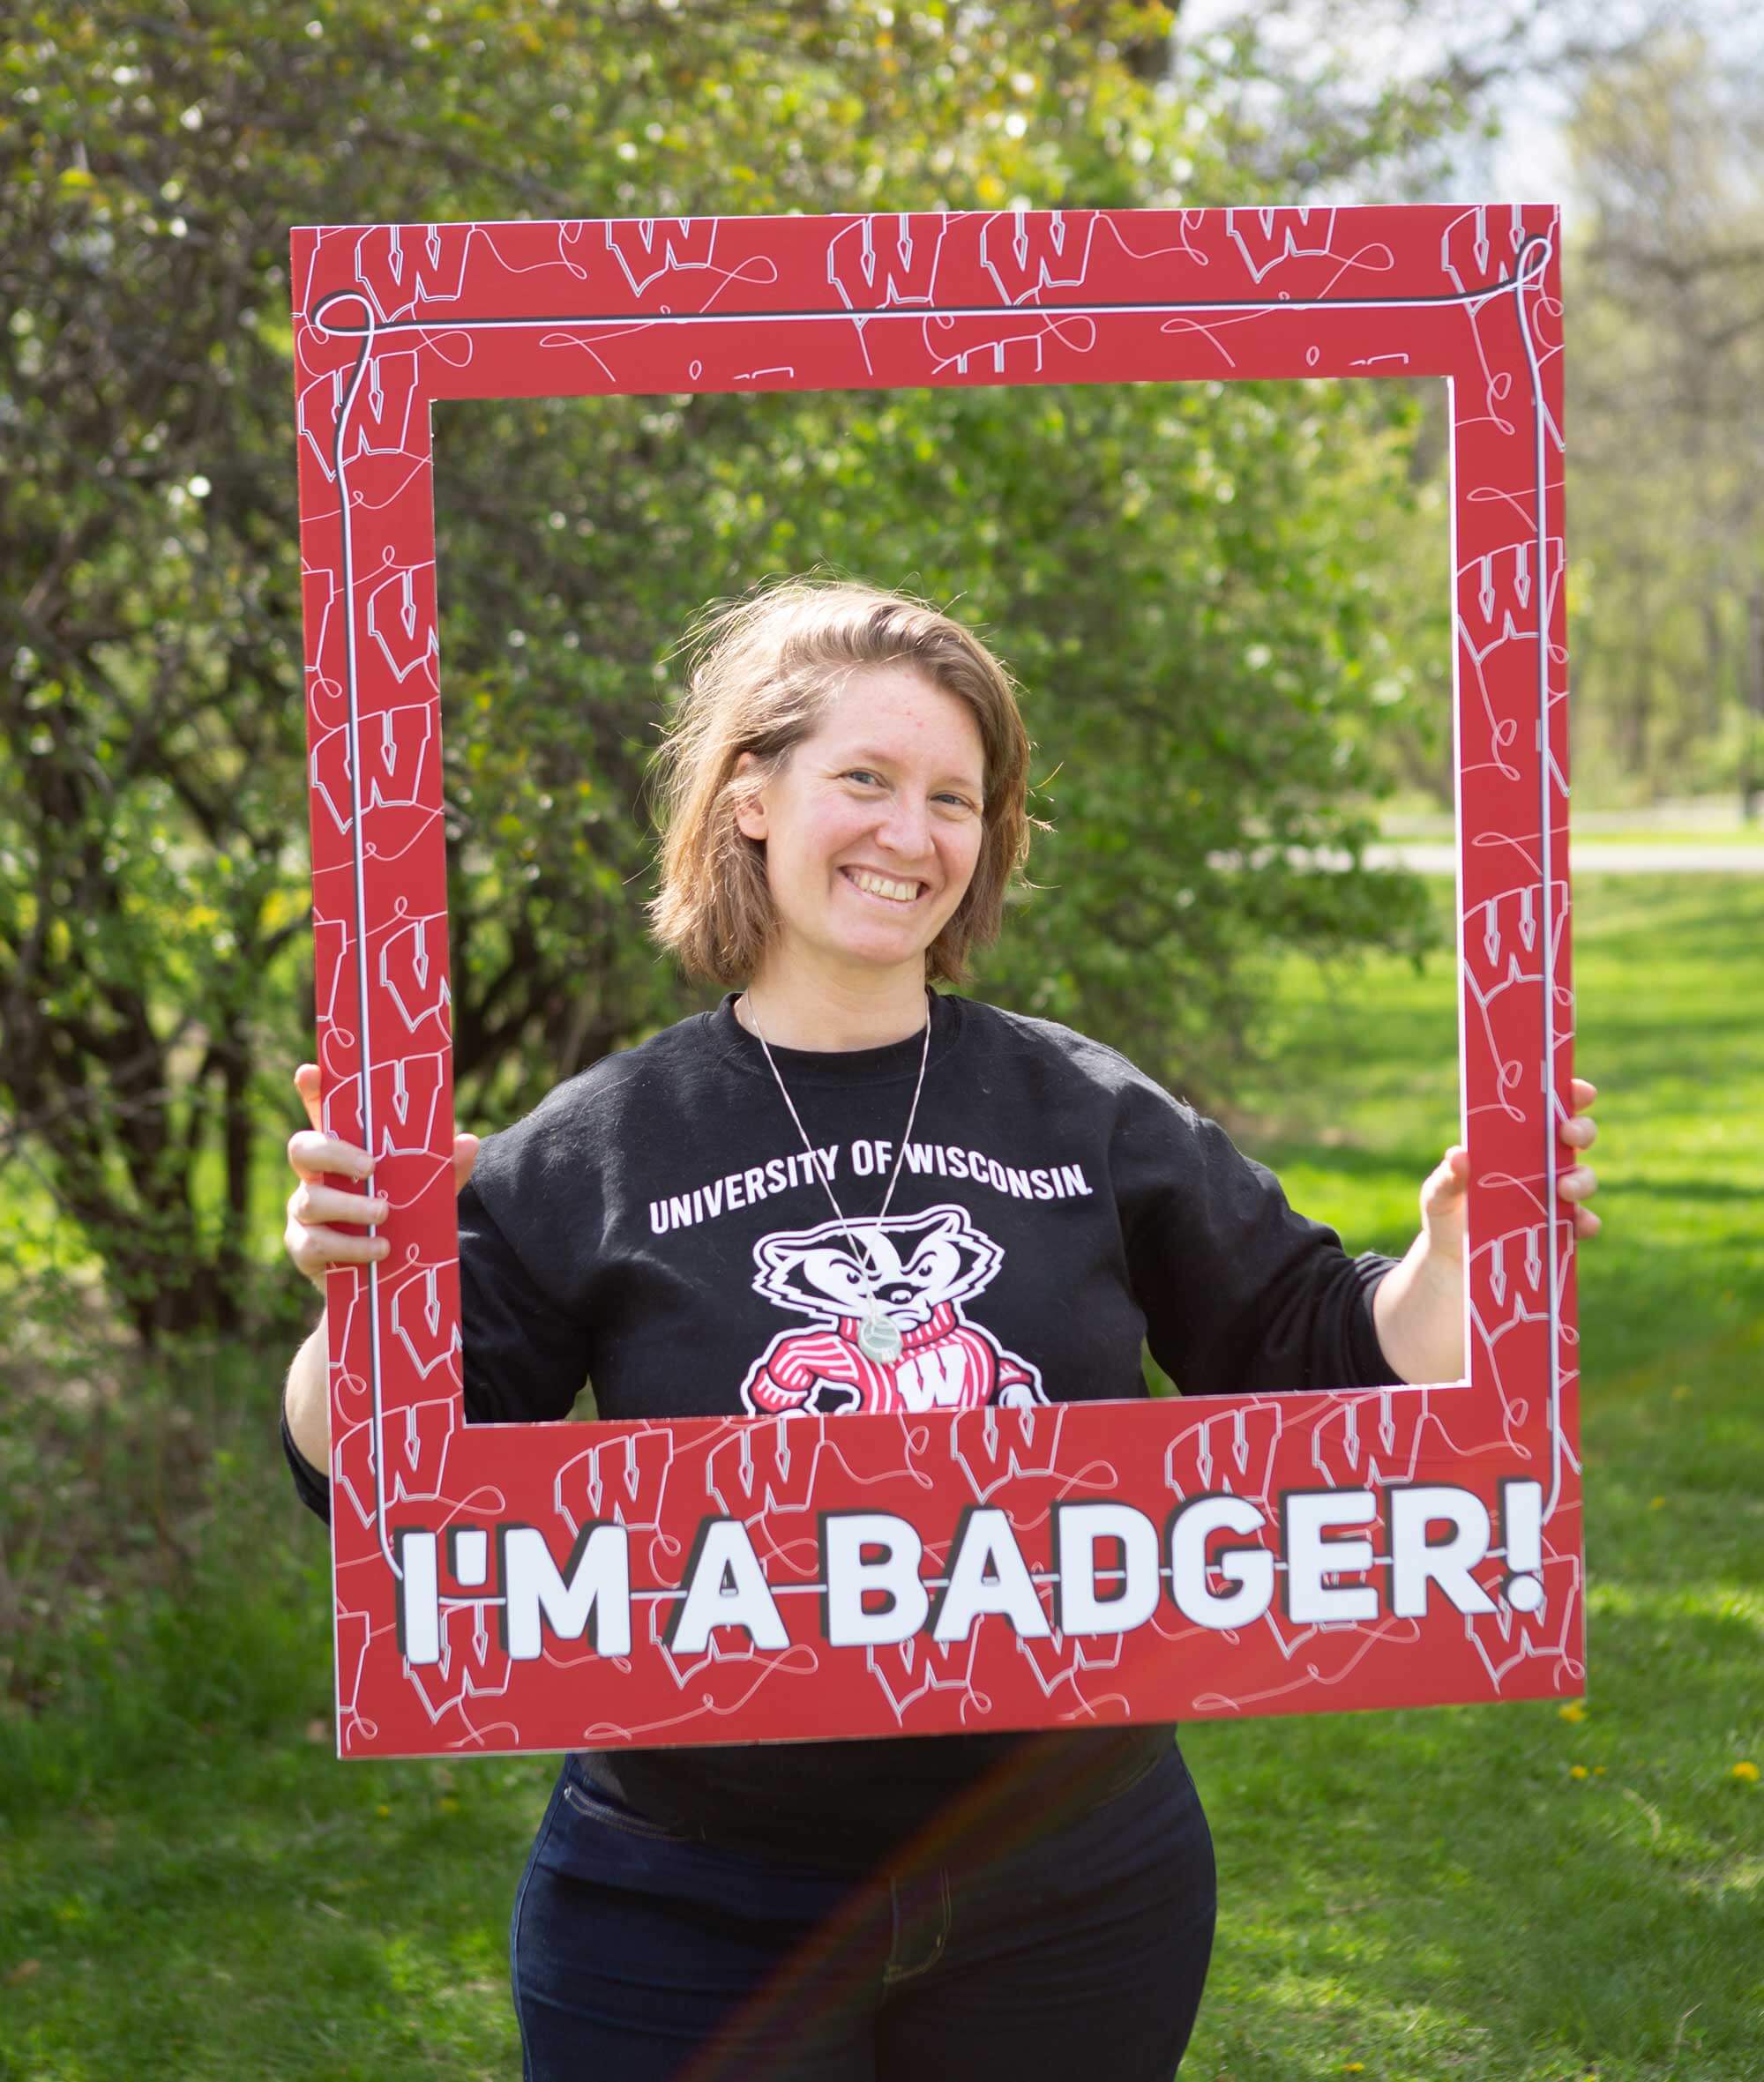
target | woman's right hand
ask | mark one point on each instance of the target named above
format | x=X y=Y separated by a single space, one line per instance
x=312 y=1238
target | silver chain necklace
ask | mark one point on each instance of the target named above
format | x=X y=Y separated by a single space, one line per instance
x=878 y=1337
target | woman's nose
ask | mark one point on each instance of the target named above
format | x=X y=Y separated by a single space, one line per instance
x=905 y=829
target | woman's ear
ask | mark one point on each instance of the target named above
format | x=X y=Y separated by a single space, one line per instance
x=750 y=810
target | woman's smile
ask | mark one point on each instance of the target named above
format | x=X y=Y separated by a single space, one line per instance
x=891 y=891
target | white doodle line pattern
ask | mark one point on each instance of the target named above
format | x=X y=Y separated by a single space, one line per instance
x=388 y=317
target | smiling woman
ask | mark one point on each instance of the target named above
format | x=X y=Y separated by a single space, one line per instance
x=871 y=831
x=845 y=796
x=706 y=1224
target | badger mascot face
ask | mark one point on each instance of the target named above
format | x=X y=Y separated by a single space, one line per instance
x=921 y=1268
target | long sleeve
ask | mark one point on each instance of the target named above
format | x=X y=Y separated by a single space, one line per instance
x=524 y=1353
x=311 y=1483
x=1241 y=1294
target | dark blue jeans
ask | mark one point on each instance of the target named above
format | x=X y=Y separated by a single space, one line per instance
x=646 y=1957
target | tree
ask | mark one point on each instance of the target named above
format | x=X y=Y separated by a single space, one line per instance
x=1189 y=583
x=1380 y=100
x=1666 y=283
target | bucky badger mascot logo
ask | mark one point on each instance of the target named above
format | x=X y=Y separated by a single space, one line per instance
x=921 y=1269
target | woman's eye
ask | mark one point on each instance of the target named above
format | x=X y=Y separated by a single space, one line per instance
x=866 y=777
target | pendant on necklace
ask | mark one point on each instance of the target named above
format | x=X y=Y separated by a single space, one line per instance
x=879 y=1339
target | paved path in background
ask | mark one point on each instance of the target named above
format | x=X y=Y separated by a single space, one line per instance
x=1427 y=857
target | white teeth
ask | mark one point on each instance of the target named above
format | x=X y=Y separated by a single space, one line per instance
x=900 y=892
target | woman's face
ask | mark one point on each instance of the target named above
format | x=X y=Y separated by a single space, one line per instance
x=873 y=827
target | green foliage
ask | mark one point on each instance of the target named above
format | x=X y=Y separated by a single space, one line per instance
x=1210 y=595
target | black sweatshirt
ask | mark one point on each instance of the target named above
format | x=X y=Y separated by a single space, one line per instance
x=655 y=1227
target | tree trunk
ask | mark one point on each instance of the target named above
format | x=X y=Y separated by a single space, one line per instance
x=1750 y=778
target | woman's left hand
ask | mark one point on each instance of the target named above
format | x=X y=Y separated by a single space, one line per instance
x=1445 y=1195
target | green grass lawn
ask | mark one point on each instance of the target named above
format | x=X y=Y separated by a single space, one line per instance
x=190 y=1886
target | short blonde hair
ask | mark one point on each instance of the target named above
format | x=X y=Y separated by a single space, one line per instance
x=763 y=669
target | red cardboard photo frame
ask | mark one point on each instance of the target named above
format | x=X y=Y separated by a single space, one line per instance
x=517 y=1588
